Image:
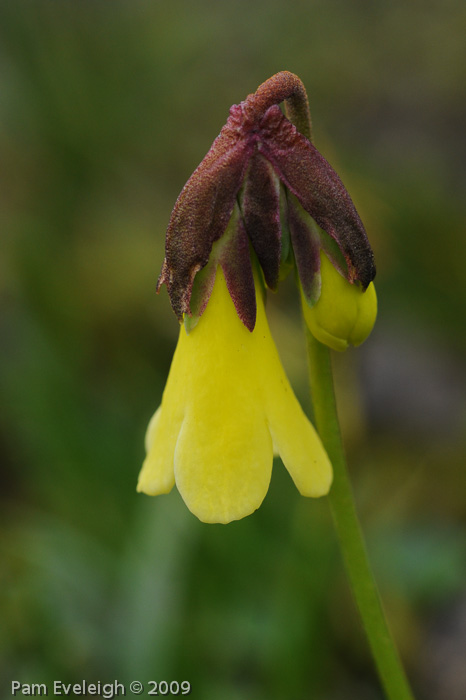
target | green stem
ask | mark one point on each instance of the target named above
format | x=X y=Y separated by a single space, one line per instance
x=348 y=529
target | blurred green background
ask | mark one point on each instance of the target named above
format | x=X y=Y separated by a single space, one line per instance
x=105 y=110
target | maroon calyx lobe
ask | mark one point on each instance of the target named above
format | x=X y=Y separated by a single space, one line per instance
x=203 y=210
x=307 y=174
x=232 y=253
x=306 y=244
x=235 y=260
x=260 y=205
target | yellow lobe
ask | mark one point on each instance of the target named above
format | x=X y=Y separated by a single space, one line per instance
x=226 y=404
x=343 y=314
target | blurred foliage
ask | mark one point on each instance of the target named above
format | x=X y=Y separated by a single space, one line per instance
x=105 y=110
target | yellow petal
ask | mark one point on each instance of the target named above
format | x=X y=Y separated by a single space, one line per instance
x=294 y=437
x=157 y=474
x=223 y=457
x=226 y=403
x=151 y=432
x=223 y=460
x=298 y=445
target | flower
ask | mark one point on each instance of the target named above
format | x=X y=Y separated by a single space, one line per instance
x=262 y=201
x=344 y=314
x=226 y=406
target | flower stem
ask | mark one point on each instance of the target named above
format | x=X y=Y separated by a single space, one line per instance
x=348 y=528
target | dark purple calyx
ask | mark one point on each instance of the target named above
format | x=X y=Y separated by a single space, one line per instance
x=306 y=173
x=232 y=253
x=256 y=150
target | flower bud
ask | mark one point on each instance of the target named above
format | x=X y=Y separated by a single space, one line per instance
x=344 y=314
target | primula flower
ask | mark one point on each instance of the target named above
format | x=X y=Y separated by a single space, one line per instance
x=262 y=199
x=226 y=406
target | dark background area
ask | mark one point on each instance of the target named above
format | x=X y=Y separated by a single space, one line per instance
x=105 y=110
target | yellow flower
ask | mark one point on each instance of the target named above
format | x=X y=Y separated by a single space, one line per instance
x=226 y=406
x=344 y=314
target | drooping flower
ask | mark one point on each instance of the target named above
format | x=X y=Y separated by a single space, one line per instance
x=262 y=199
x=226 y=405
